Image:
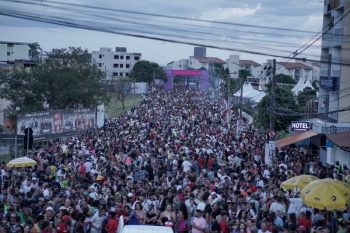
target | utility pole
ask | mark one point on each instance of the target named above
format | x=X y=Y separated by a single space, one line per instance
x=241 y=100
x=228 y=114
x=272 y=113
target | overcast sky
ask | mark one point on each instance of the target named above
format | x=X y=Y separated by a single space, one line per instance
x=291 y=14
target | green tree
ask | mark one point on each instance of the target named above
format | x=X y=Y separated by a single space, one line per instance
x=145 y=71
x=306 y=100
x=284 y=104
x=34 y=51
x=122 y=88
x=282 y=78
x=228 y=86
x=64 y=80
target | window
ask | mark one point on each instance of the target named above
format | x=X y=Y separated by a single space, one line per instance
x=127 y=66
x=127 y=57
x=121 y=57
x=116 y=56
x=99 y=65
x=121 y=65
x=126 y=74
x=136 y=58
x=115 y=65
x=121 y=74
x=100 y=56
x=8 y=53
x=115 y=73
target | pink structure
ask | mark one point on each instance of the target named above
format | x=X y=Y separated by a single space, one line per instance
x=201 y=77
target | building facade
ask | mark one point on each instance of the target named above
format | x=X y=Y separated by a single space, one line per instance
x=251 y=66
x=334 y=79
x=295 y=70
x=233 y=66
x=14 y=51
x=115 y=63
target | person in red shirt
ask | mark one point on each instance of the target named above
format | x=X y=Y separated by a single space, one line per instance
x=112 y=223
x=303 y=221
x=223 y=225
x=210 y=162
x=201 y=162
x=63 y=226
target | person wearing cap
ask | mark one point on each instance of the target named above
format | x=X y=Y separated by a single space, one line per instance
x=199 y=223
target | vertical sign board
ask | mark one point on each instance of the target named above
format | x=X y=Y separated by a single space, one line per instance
x=300 y=126
x=270 y=149
x=100 y=116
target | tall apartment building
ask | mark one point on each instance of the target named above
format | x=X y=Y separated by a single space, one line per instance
x=115 y=63
x=14 y=51
x=334 y=80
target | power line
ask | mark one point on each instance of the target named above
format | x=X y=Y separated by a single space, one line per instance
x=39 y=2
x=316 y=37
x=69 y=23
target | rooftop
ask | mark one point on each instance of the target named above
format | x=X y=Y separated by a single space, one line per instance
x=209 y=60
x=294 y=65
x=248 y=62
x=14 y=42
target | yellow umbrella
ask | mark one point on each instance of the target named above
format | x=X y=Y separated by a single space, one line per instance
x=298 y=181
x=326 y=194
x=22 y=162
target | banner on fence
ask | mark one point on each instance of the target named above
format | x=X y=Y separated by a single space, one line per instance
x=57 y=121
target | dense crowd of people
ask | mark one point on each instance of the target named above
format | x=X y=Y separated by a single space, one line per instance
x=173 y=161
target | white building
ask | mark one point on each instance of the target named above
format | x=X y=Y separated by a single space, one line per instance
x=315 y=71
x=115 y=63
x=296 y=70
x=14 y=51
x=253 y=67
x=334 y=78
x=204 y=62
x=233 y=65
x=179 y=65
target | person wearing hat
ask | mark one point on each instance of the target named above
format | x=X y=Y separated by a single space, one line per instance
x=199 y=223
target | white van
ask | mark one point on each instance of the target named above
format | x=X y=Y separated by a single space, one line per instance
x=141 y=228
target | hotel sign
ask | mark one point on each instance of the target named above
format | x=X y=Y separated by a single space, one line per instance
x=300 y=126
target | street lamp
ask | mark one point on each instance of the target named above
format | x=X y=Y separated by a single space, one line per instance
x=16 y=128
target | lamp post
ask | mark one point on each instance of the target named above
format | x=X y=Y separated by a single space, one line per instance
x=16 y=128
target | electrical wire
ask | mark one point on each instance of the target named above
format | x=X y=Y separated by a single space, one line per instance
x=64 y=22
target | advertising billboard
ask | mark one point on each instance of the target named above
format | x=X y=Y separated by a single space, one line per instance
x=57 y=121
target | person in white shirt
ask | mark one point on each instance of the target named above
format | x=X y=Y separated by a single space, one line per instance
x=186 y=165
x=263 y=228
x=97 y=220
x=276 y=206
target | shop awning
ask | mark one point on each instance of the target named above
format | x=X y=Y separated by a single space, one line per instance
x=297 y=137
x=341 y=139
